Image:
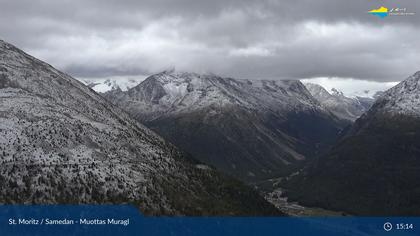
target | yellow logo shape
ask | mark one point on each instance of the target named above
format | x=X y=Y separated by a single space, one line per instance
x=381 y=9
x=380 y=12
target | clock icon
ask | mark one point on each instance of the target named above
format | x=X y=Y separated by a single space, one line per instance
x=387 y=226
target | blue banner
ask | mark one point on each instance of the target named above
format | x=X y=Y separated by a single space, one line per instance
x=127 y=220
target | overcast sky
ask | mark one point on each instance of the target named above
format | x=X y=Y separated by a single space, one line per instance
x=238 y=38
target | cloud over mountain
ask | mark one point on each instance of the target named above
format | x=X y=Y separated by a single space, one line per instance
x=264 y=39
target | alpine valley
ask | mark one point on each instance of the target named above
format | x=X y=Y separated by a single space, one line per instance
x=180 y=143
x=251 y=129
x=375 y=168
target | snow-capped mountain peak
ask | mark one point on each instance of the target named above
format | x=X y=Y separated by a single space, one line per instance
x=336 y=92
x=343 y=107
x=103 y=85
x=318 y=91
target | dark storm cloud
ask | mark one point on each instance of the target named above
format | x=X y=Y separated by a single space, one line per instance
x=240 y=38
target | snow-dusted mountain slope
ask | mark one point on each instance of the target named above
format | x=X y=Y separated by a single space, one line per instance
x=60 y=142
x=343 y=107
x=177 y=93
x=374 y=169
x=403 y=99
x=253 y=129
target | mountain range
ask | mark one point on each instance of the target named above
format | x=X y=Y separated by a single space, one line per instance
x=60 y=142
x=251 y=129
x=160 y=143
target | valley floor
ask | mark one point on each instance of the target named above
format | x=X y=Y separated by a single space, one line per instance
x=294 y=209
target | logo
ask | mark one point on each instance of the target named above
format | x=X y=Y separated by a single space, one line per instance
x=383 y=12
